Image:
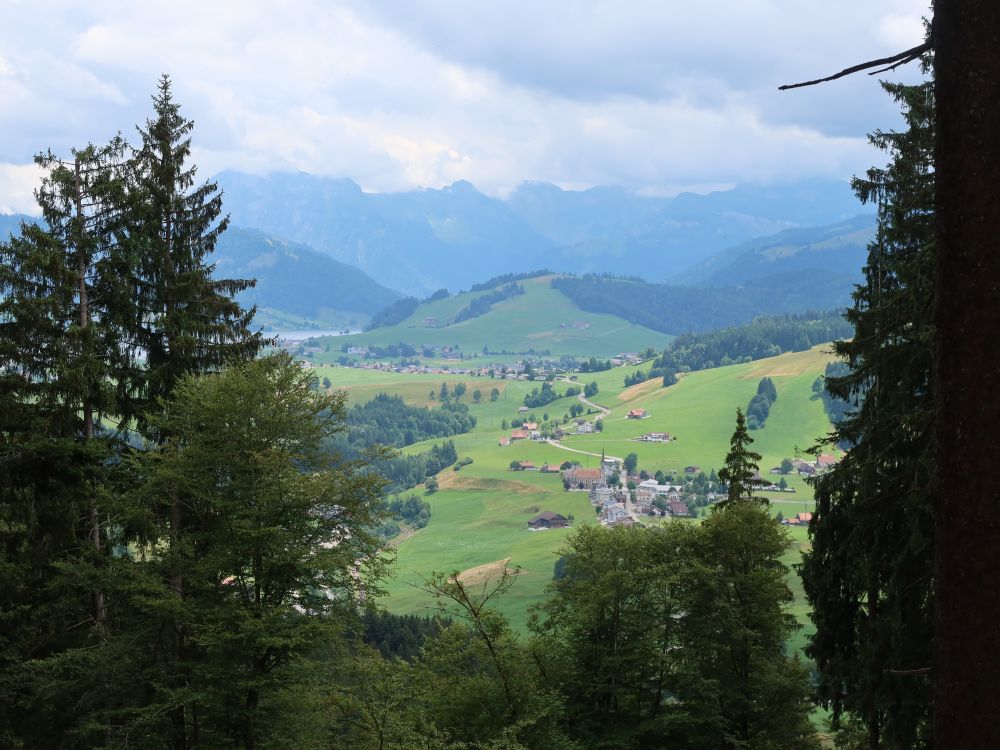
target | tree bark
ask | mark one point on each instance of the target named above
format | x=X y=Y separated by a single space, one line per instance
x=967 y=161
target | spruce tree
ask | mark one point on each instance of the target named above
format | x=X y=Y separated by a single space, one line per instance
x=740 y=472
x=869 y=575
x=58 y=354
x=190 y=321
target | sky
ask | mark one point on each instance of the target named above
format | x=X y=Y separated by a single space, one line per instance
x=657 y=96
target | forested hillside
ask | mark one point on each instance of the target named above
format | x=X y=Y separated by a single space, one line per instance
x=296 y=279
x=764 y=337
x=838 y=249
x=680 y=309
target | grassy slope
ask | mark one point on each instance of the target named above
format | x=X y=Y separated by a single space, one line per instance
x=528 y=321
x=479 y=514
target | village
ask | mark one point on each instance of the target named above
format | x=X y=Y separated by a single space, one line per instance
x=623 y=498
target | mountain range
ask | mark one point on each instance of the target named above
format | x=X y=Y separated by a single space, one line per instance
x=421 y=240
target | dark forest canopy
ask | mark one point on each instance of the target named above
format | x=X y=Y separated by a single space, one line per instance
x=395 y=313
x=676 y=309
x=763 y=337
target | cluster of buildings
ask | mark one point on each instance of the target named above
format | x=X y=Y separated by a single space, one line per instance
x=617 y=506
x=823 y=462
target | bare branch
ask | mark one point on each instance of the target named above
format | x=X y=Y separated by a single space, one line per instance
x=892 y=63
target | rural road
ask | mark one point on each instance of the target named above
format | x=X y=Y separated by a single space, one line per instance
x=557 y=444
x=405 y=532
x=603 y=409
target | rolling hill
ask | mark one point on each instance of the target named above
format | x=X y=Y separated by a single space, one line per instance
x=295 y=280
x=479 y=514
x=834 y=251
x=541 y=319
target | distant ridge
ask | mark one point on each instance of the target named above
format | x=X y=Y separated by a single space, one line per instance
x=839 y=248
x=423 y=240
x=298 y=281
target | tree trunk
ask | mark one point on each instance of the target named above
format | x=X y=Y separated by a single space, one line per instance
x=100 y=609
x=967 y=161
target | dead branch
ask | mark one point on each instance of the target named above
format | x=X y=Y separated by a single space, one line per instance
x=891 y=62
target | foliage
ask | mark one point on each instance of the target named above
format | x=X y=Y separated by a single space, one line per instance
x=682 y=655
x=387 y=420
x=595 y=365
x=591 y=389
x=399 y=636
x=741 y=470
x=538 y=398
x=869 y=576
x=763 y=337
x=393 y=313
x=484 y=303
x=760 y=405
x=507 y=278
x=676 y=309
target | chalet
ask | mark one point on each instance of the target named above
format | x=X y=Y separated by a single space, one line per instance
x=530 y=426
x=692 y=469
x=825 y=461
x=527 y=466
x=807 y=470
x=656 y=437
x=549 y=469
x=522 y=409
x=637 y=414
x=548 y=520
x=558 y=433
x=799 y=519
x=504 y=441
x=677 y=508
x=518 y=435
x=430 y=322
x=585 y=479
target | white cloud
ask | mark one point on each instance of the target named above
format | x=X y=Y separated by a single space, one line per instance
x=17 y=188
x=655 y=96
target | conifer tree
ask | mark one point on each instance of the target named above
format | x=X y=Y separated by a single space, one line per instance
x=869 y=575
x=189 y=320
x=741 y=469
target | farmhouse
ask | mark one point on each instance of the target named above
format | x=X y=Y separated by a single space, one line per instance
x=548 y=520
x=825 y=461
x=637 y=414
x=549 y=469
x=586 y=479
x=677 y=508
x=529 y=426
x=656 y=437
x=527 y=466
x=519 y=435
x=504 y=441
x=799 y=519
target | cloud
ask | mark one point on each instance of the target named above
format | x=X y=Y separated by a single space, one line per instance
x=653 y=96
x=17 y=188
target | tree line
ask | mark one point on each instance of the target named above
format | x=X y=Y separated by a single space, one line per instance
x=762 y=337
x=674 y=309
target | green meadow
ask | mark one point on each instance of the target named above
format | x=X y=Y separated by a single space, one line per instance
x=528 y=321
x=479 y=514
